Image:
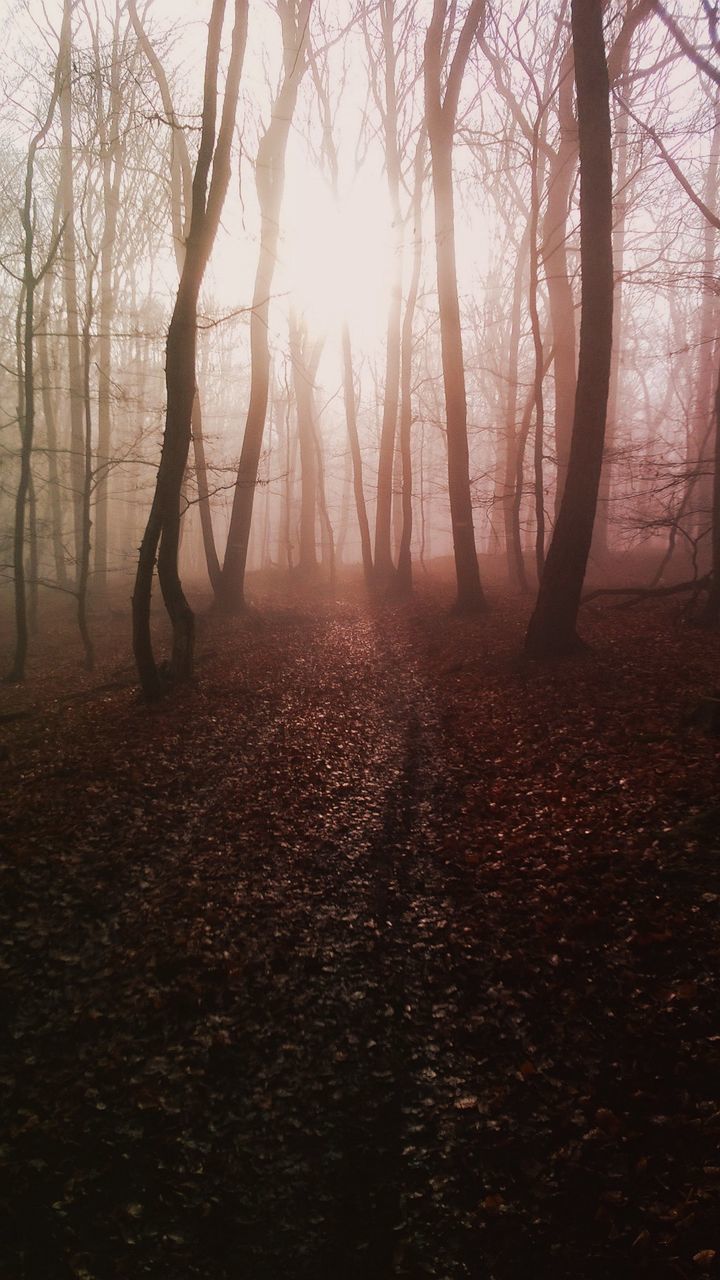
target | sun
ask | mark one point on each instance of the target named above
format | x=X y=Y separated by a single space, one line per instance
x=337 y=255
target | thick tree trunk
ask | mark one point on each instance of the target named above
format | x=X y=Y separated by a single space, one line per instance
x=552 y=629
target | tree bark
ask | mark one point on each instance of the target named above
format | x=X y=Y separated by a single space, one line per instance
x=163 y=526
x=70 y=277
x=25 y=332
x=440 y=117
x=404 y=566
x=270 y=181
x=383 y=566
x=357 y=463
x=710 y=616
x=561 y=174
x=552 y=629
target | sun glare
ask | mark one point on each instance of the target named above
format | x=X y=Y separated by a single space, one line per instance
x=337 y=256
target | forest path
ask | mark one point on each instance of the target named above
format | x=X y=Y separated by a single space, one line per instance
x=360 y=959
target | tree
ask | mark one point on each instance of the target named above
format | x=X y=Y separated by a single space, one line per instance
x=270 y=181
x=26 y=381
x=403 y=577
x=552 y=629
x=441 y=111
x=163 y=526
x=181 y=213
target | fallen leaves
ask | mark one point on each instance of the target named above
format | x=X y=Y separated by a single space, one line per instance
x=331 y=966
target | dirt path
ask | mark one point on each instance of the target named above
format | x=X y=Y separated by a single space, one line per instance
x=267 y=1024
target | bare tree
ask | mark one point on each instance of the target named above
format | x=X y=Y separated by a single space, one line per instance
x=31 y=278
x=552 y=629
x=441 y=110
x=163 y=526
x=270 y=181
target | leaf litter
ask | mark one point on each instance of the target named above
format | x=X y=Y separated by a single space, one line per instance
x=377 y=952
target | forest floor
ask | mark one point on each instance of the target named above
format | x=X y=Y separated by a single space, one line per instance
x=377 y=952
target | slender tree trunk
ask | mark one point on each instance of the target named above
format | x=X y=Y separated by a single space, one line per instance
x=83 y=576
x=561 y=175
x=519 y=484
x=404 y=567
x=357 y=464
x=552 y=629
x=344 y=508
x=305 y=364
x=269 y=179
x=538 y=376
x=440 y=118
x=69 y=273
x=707 y=328
x=601 y=538
x=470 y=598
x=710 y=616
x=113 y=159
x=25 y=332
x=34 y=557
x=205 y=510
x=515 y=564
x=48 y=392
x=383 y=566
x=328 y=534
x=162 y=532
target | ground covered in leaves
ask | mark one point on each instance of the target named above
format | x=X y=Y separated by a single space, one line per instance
x=378 y=952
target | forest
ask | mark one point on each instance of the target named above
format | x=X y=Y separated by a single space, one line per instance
x=359 y=664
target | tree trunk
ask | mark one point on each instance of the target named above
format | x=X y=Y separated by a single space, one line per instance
x=305 y=364
x=561 y=175
x=404 y=567
x=48 y=393
x=83 y=576
x=112 y=146
x=163 y=526
x=515 y=562
x=710 y=616
x=383 y=566
x=601 y=533
x=270 y=180
x=440 y=118
x=470 y=596
x=357 y=464
x=538 y=375
x=25 y=329
x=552 y=629
x=69 y=274
x=208 y=537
